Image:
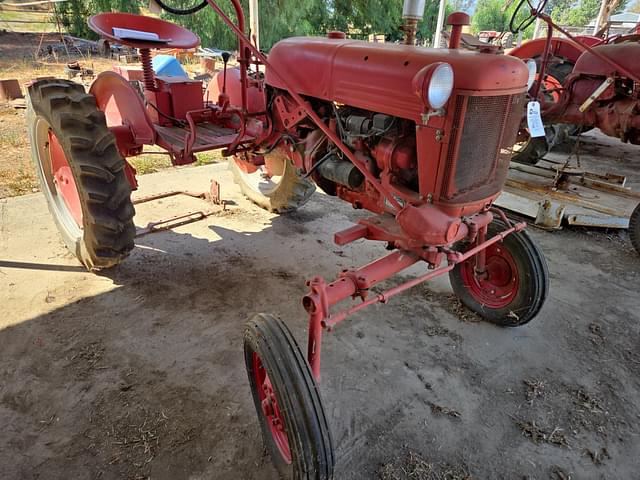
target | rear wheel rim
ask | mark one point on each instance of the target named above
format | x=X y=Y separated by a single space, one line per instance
x=58 y=178
x=497 y=286
x=270 y=408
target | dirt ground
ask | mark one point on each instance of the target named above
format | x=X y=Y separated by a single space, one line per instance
x=138 y=372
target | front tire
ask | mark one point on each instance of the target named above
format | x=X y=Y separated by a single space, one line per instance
x=292 y=419
x=515 y=283
x=81 y=173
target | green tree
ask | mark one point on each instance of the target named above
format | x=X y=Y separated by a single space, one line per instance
x=492 y=15
x=578 y=13
x=73 y=14
x=278 y=19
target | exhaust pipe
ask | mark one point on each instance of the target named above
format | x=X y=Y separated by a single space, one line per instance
x=412 y=13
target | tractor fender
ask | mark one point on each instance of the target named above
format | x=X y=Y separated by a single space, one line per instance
x=124 y=111
x=560 y=47
x=256 y=100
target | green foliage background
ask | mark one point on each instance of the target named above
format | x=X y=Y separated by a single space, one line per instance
x=278 y=18
x=285 y=18
x=73 y=14
x=491 y=14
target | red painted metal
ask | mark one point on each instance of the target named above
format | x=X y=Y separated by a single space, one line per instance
x=351 y=234
x=270 y=408
x=497 y=283
x=560 y=47
x=627 y=54
x=334 y=70
x=457 y=20
x=256 y=99
x=124 y=111
x=185 y=95
x=171 y=35
x=62 y=178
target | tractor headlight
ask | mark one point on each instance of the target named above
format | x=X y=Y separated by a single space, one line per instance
x=439 y=86
x=533 y=68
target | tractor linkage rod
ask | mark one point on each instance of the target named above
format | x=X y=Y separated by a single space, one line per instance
x=246 y=43
x=356 y=283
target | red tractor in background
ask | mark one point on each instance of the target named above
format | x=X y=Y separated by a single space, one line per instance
x=584 y=82
x=421 y=138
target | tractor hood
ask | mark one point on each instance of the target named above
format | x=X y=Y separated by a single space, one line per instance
x=378 y=77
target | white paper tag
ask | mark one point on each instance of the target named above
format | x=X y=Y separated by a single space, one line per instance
x=130 y=34
x=534 y=121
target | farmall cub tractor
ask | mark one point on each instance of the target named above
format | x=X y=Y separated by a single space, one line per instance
x=421 y=138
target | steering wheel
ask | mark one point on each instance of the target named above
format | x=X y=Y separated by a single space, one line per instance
x=529 y=19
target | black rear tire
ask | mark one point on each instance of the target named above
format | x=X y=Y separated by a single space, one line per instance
x=63 y=109
x=526 y=263
x=271 y=353
x=634 y=228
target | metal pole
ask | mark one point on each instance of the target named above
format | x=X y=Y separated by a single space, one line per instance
x=439 y=24
x=599 y=19
x=254 y=24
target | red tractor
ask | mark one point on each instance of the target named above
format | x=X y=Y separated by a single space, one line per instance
x=421 y=138
x=584 y=82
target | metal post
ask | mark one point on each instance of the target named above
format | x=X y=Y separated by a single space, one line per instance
x=439 y=23
x=254 y=24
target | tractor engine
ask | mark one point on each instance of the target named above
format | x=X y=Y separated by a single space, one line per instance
x=433 y=127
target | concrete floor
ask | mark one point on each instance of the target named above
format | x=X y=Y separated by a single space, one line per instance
x=139 y=371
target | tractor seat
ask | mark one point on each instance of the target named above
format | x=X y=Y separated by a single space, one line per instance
x=138 y=31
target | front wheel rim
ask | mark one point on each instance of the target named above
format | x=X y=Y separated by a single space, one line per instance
x=498 y=285
x=58 y=179
x=270 y=408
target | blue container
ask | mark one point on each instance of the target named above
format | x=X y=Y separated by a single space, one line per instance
x=168 y=66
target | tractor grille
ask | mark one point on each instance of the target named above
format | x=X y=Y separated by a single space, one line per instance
x=483 y=133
